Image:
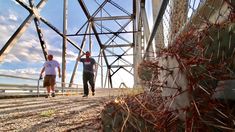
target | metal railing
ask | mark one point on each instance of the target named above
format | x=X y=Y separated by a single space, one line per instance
x=11 y=85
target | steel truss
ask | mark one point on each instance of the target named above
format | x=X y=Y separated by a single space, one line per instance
x=94 y=26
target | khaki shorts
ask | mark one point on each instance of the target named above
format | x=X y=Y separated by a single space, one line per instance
x=49 y=80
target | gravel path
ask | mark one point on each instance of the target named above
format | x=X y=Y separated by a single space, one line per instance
x=61 y=113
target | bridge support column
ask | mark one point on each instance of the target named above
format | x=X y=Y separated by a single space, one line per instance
x=159 y=38
x=64 y=43
x=137 y=57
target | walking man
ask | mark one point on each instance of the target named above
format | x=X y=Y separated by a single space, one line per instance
x=88 y=73
x=50 y=75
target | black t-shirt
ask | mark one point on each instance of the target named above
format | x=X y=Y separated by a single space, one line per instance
x=88 y=64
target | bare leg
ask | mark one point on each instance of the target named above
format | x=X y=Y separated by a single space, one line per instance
x=53 y=89
x=48 y=89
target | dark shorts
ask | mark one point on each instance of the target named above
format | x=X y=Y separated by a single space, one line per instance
x=49 y=80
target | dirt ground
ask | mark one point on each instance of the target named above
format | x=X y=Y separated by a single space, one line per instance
x=61 y=113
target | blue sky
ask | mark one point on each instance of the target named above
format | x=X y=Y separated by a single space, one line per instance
x=26 y=58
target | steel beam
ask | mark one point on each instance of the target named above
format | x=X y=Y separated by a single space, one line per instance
x=156 y=23
x=116 y=66
x=93 y=15
x=111 y=18
x=137 y=42
x=159 y=38
x=119 y=56
x=110 y=78
x=96 y=67
x=117 y=34
x=64 y=45
x=119 y=7
x=116 y=70
x=102 y=33
x=90 y=40
x=118 y=45
x=128 y=70
x=102 y=70
x=18 y=33
x=39 y=32
x=58 y=32
x=146 y=30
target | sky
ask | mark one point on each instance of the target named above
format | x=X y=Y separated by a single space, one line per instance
x=26 y=57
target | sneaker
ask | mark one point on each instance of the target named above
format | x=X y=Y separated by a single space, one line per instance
x=93 y=93
x=53 y=94
x=84 y=95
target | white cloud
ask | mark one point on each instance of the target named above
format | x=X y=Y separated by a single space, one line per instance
x=11 y=58
x=2 y=18
x=13 y=17
x=3 y=34
x=12 y=27
x=27 y=51
x=7 y=26
x=28 y=48
x=27 y=72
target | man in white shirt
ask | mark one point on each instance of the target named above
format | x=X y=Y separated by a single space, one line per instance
x=50 y=75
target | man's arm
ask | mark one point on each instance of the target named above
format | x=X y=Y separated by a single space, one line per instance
x=79 y=57
x=43 y=69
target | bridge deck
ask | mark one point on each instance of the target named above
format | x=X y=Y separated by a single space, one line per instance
x=61 y=113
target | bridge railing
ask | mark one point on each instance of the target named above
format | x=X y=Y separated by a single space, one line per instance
x=32 y=86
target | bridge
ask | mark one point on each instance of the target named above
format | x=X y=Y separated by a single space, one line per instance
x=162 y=64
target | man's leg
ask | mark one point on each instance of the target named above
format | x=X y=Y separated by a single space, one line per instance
x=46 y=83
x=53 y=90
x=48 y=91
x=85 y=85
x=92 y=83
x=52 y=83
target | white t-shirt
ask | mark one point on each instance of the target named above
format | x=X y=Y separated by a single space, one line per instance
x=50 y=67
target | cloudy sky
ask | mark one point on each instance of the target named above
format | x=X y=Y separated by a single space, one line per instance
x=26 y=57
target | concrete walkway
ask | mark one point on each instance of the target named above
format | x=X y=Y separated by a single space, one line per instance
x=61 y=113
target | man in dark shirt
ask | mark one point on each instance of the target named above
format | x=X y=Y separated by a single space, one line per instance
x=88 y=73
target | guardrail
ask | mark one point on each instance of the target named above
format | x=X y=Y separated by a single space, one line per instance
x=19 y=86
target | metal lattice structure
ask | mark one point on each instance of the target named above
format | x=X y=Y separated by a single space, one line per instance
x=113 y=42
